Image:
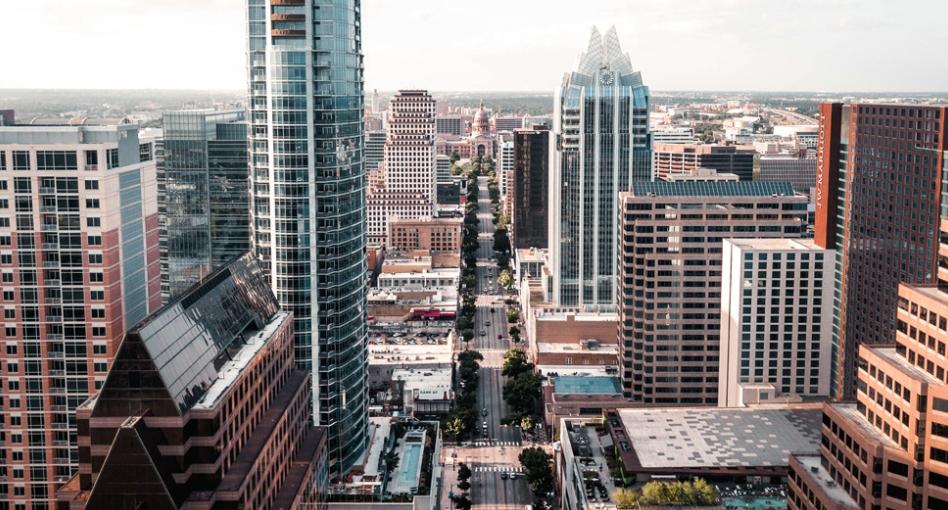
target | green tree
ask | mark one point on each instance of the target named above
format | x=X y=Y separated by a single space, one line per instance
x=626 y=499
x=461 y=502
x=455 y=157
x=527 y=423
x=515 y=363
x=464 y=472
x=512 y=315
x=464 y=485
x=454 y=425
x=522 y=392
x=505 y=280
x=537 y=466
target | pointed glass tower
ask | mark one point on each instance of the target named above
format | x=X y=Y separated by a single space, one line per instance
x=602 y=145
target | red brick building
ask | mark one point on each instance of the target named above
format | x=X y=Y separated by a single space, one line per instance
x=878 y=192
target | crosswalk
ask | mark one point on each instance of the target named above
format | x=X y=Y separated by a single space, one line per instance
x=498 y=469
x=497 y=443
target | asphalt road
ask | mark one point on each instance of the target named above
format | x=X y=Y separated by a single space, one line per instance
x=495 y=452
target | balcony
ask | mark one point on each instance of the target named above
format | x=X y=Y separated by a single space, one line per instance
x=57 y=390
x=50 y=246
x=288 y=33
x=56 y=354
x=49 y=227
x=54 y=318
x=47 y=190
x=287 y=17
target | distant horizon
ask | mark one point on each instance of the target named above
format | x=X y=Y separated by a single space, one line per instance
x=512 y=91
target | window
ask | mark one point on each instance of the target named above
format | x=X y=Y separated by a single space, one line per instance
x=95 y=240
x=3 y=160
x=92 y=184
x=113 y=158
x=93 y=221
x=98 y=313
x=92 y=160
x=98 y=349
x=97 y=295
x=95 y=258
x=96 y=277
x=21 y=160
x=144 y=152
x=92 y=203
x=56 y=160
x=98 y=331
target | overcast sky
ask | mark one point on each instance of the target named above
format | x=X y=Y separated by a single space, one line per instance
x=483 y=45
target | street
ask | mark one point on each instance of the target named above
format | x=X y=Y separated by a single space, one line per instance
x=494 y=451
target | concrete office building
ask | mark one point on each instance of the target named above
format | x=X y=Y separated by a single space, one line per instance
x=432 y=235
x=800 y=172
x=670 y=278
x=665 y=134
x=879 y=191
x=203 y=198
x=203 y=408
x=374 y=149
x=775 y=322
x=506 y=123
x=79 y=264
x=530 y=188
x=308 y=198
x=505 y=175
x=678 y=158
x=407 y=188
x=442 y=168
x=450 y=125
x=889 y=449
x=591 y=166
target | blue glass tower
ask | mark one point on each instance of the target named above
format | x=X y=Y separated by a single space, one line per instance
x=308 y=197
x=602 y=145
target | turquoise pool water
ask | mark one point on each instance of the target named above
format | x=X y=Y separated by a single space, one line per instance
x=587 y=385
x=755 y=503
x=408 y=466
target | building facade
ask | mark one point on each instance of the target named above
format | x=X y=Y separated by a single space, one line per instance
x=889 y=449
x=670 y=278
x=602 y=145
x=879 y=186
x=530 y=188
x=374 y=149
x=79 y=264
x=306 y=142
x=775 y=322
x=800 y=172
x=203 y=197
x=450 y=125
x=203 y=408
x=434 y=236
x=686 y=158
x=407 y=188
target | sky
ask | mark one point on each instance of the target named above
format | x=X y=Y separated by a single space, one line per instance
x=496 y=45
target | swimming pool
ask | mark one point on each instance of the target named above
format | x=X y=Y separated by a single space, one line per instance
x=755 y=503
x=409 y=466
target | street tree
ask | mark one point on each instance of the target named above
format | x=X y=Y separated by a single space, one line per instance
x=537 y=466
x=505 y=280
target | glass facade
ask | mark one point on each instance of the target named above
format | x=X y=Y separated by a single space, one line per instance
x=603 y=145
x=206 y=218
x=308 y=198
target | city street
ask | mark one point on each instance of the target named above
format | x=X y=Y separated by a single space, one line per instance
x=493 y=455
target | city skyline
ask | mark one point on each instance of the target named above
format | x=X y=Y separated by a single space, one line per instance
x=794 y=46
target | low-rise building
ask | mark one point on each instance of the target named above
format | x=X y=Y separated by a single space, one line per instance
x=529 y=262
x=574 y=396
x=558 y=337
x=387 y=354
x=424 y=391
x=433 y=235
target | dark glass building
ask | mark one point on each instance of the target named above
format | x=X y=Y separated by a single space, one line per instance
x=879 y=201
x=203 y=408
x=531 y=175
x=308 y=198
x=202 y=195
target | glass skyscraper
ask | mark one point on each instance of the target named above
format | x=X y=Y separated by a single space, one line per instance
x=308 y=198
x=602 y=145
x=202 y=195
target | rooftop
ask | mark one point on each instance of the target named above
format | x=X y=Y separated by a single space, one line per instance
x=890 y=355
x=590 y=385
x=712 y=188
x=667 y=438
x=779 y=243
x=817 y=473
x=851 y=413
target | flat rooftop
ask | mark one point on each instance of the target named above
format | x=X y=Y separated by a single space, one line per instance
x=591 y=385
x=818 y=475
x=577 y=347
x=668 y=438
x=890 y=355
x=775 y=244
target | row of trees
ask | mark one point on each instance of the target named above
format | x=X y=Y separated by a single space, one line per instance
x=462 y=501
x=522 y=389
x=695 y=493
x=469 y=247
x=462 y=422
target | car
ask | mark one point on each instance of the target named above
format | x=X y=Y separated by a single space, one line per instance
x=487 y=323
x=484 y=412
x=504 y=475
x=482 y=333
x=485 y=424
x=500 y=336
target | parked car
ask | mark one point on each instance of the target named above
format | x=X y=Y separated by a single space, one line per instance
x=504 y=476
